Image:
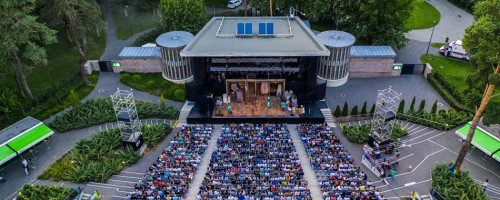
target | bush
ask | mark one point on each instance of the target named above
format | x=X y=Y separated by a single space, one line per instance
x=422 y=105
x=125 y=77
x=372 y=110
x=434 y=107
x=360 y=134
x=412 y=105
x=467 y=5
x=52 y=192
x=137 y=78
x=398 y=132
x=363 y=109
x=180 y=94
x=153 y=134
x=458 y=186
x=98 y=111
x=151 y=84
x=443 y=121
x=401 y=108
x=354 y=110
x=453 y=97
x=345 y=110
x=337 y=113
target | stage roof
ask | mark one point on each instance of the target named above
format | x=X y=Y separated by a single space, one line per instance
x=483 y=140
x=220 y=38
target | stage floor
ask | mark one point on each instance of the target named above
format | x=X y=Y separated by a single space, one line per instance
x=253 y=107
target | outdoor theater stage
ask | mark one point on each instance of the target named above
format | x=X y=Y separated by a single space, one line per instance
x=257 y=114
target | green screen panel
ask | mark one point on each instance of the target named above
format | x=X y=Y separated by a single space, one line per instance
x=5 y=152
x=482 y=139
x=29 y=137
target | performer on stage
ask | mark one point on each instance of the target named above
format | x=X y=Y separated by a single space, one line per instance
x=230 y=110
x=268 y=102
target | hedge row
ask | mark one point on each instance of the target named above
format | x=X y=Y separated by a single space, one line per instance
x=455 y=98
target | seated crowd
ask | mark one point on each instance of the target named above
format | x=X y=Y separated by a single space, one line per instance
x=254 y=162
x=337 y=175
x=169 y=177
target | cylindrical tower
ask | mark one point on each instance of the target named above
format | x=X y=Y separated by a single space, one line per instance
x=175 y=68
x=333 y=68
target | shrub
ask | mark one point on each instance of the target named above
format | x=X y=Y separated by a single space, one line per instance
x=443 y=121
x=412 y=105
x=31 y=191
x=422 y=105
x=455 y=186
x=354 y=110
x=125 y=77
x=372 y=110
x=151 y=84
x=137 y=78
x=165 y=84
x=453 y=98
x=162 y=100
x=358 y=134
x=337 y=113
x=401 y=107
x=153 y=134
x=434 y=107
x=398 y=132
x=180 y=94
x=345 y=110
x=492 y=114
x=363 y=109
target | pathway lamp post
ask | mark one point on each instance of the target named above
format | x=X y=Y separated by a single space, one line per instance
x=432 y=33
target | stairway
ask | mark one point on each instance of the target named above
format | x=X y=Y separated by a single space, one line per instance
x=186 y=108
x=327 y=113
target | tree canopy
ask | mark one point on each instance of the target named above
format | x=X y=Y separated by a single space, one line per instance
x=23 y=39
x=7 y=100
x=187 y=15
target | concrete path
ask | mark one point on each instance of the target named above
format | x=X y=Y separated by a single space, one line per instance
x=306 y=165
x=194 y=187
x=452 y=24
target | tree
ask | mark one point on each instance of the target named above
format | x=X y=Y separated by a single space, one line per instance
x=80 y=18
x=382 y=22
x=434 y=107
x=363 y=109
x=492 y=114
x=337 y=113
x=422 y=105
x=401 y=108
x=412 y=104
x=483 y=41
x=22 y=39
x=354 y=110
x=345 y=110
x=372 y=110
x=186 y=15
x=7 y=100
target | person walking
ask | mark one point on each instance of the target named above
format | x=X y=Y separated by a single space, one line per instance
x=25 y=165
x=485 y=185
x=393 y=173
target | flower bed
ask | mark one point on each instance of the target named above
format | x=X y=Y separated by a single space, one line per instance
x=360 y=134
x=54 y=192
x=458 y=186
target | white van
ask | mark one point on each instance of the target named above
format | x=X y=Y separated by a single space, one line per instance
x=454 y=49
x=233 y=3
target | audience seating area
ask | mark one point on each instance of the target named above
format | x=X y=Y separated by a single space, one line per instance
x=170 y=175
x=337 y=175
x=253 y=162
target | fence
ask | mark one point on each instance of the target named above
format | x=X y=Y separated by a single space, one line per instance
x=353 y=118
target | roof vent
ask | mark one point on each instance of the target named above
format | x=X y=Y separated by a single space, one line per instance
x=292 y=13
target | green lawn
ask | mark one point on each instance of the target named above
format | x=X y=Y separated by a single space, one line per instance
x=217 y=3
x=437 y=45
x=422 y=17
x=62 y=64
x=137 y=21
x=454 y=71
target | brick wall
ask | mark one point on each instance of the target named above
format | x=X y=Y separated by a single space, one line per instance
x=369 y=67
x=141 y=65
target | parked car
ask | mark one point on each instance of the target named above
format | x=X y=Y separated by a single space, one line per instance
x=454 y=49
x=233 y=3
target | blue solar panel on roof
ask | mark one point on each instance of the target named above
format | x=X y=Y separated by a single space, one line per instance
x=262 y=28
x=240 y=29
x=248 y=28
x=270 y=28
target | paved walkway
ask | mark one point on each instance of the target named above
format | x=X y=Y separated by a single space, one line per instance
x=306 y=165
x=450 y=25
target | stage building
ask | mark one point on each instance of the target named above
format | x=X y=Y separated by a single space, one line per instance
x=255 y=68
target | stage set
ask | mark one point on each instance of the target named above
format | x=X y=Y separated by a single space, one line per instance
x=266 y=75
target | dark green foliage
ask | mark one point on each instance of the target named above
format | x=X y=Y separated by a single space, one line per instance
x=137 y=78
x=98 y=111
x=401 y=107
x=426 y=118
x=154 y=134
x=467 y=5
x=51 y=192
x=187 y=15
x=492 y=114
x=354 y=110
x=149 y=37
x=151 y=84
x=180 y=94
x=125 y=77
x=345 y=110
x=363 y=109
x=360 y=134
x=166 y=88
x=434 y=107
x=372 y=110
x=453 y=97
x=458 y=186
x=412 y=105
x=337 y=113
x=7 y=100
x=422 y=105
